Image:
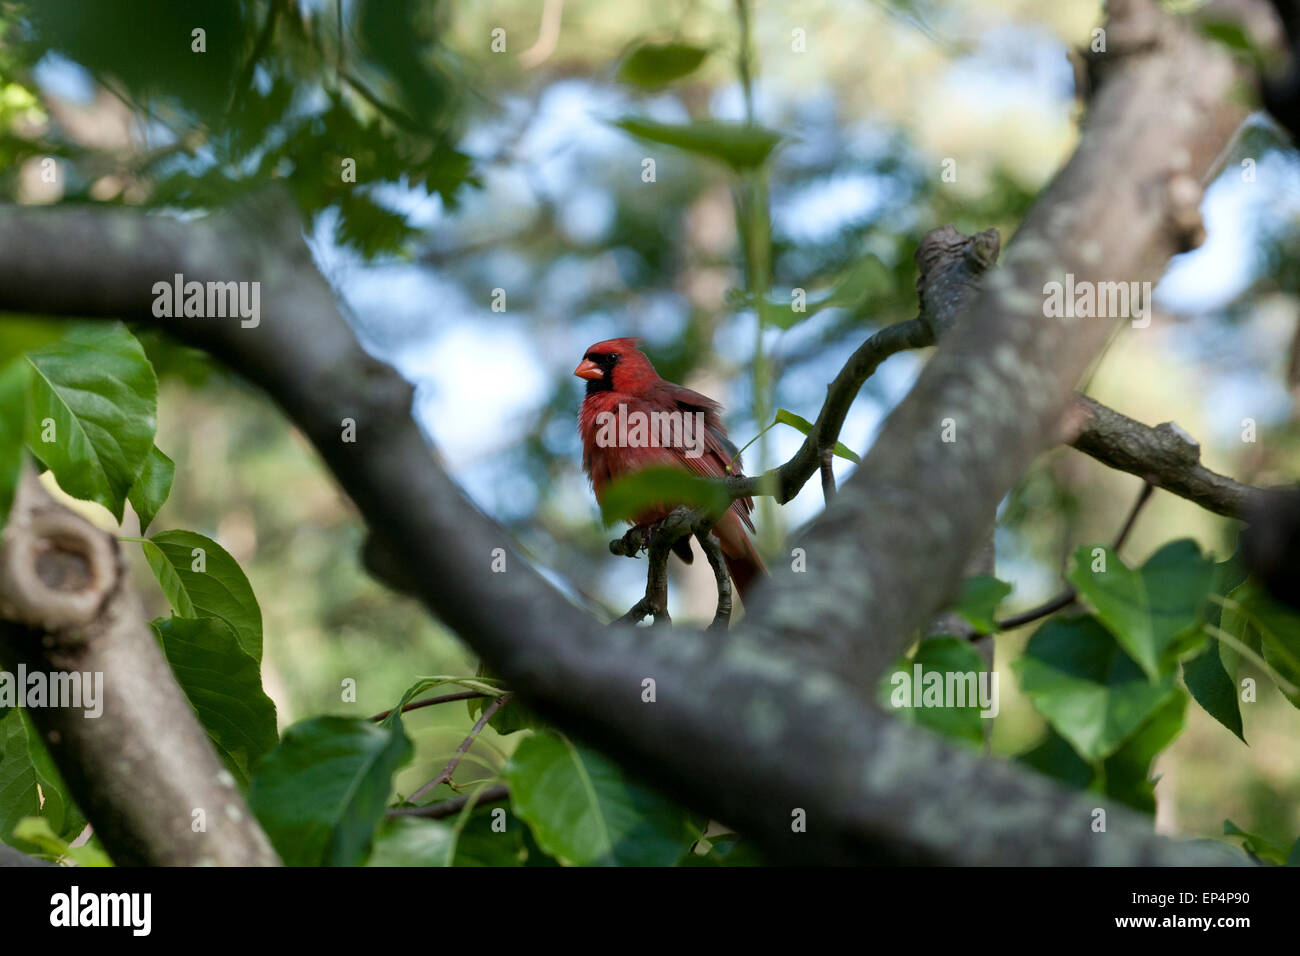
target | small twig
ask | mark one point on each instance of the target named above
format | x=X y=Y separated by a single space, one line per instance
x=658 y=539
x=828 y=474
x=713 y=551
x=1069 y=595
x=447 y=771
x=449 y=808
x=430 y=701
x=785 y=481
x=1058 y=603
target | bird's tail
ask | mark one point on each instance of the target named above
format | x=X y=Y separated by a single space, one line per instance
x=742 y=558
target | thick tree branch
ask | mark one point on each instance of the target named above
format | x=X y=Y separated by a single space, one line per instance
x=143 y=767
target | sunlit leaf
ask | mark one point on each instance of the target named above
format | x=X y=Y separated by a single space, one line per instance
x=92 y=411
x=37 y=831
x=738 y=145
x=653 y=66
x=201 y=579
x=786 y=417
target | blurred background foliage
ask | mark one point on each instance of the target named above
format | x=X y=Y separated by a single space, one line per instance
x=489 y=160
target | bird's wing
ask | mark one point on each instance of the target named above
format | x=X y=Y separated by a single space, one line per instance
x=719 y=451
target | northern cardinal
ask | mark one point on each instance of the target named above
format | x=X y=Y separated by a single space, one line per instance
x=618 y=374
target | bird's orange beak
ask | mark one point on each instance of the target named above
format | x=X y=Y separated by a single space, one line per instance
x=588 y=369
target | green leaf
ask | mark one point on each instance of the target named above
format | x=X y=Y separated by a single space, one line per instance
x=201 y=579
x=411 y=841
x=1212 y=688
x=786 y=417
x=1229 y=575
x=1256 y=845
x=583 y=810
x=224 y=685
x=1126 y=774
x=1212 y=675
x=979 y=600
x=482 y=844
x=1078 y=677
x=152 y=487
x=644 y=490
x=739 y=145
x=1278 y=627
x=652 y=66
x=321 y=793
x=25 y=766
x=1156 y=612
x=37 y=831
x=901 y=692
x=98 y=390
x=13 y=409
x=21 y=335
x=19 y=796
x=1054 y=757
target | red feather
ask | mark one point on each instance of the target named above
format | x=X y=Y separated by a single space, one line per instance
x=620 y=374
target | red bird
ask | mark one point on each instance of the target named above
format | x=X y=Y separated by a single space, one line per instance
x=626 y=400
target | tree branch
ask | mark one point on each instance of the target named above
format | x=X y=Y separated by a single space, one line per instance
x=430 y=702
x=141 y=769
x=1166 y=456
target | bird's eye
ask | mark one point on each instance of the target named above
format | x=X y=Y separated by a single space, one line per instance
x=614 y=357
